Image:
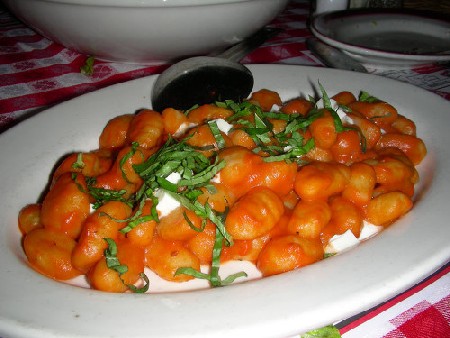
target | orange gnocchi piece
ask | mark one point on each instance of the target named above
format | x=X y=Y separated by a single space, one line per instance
x=319 y=181
x=279 y=184
x=114 y=135
x=29 y=218
x=255 y=214
x=388 y=207
x=166 y=257
x=266 y=99
x=287 y=253
x=208 y=112
x=413 y=147
x=146 y=128
x=180 y=225
x=103 y=223
x=382 y=113
x=297 y=106
x=66 y=206
x=49 y=252
x=323 y=131
x=173 y=120
x=361 y=185
x=309 y=218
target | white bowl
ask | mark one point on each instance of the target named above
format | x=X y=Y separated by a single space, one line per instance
x=146 y=31
x=386 y=37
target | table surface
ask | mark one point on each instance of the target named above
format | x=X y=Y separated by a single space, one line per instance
x=36 y=73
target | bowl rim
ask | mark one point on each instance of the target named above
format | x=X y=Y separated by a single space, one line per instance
x=145 y=3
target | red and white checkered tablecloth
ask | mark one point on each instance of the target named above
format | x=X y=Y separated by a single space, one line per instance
x=36 y=73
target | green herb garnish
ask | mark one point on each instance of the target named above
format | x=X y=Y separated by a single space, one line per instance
x=366 y=97
x=111 y=257
x=327 y=105
x=213 y=277
x=112 y=262
x=287 y=145
x=88 y=67
x=78 y=164
x=143 y=289
x=329 y=331
x=217 y=134
x=196 y=171
x=102 y=195
x=125 y=158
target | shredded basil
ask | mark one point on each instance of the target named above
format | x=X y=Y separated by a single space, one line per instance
x=125 y=158
x=196 y=171
x=192 y=225
x=187 y=111
x=329 y=331
x=78 y=164
x=327 y=105
x=206 y=212
x=366 y=97
x=287 y=145
x=88 y=67
x=144 y=288
x=111 y=257
x=217 y=134
x=74 y=177
x=213 y=277
x=102 y=195
x=112 y=262
x=137 y=219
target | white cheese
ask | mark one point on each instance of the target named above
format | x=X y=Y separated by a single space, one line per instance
x=341 y=113
x=174 y=178
x=223 y=126
x=343 y=116
x=183 y=128
x=340 y=243
x=320 y=104
x=347 y=240
x=369 y=230
x=216 y=178
x=166 y=203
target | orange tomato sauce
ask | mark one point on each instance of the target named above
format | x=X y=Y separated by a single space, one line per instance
x=288 y=177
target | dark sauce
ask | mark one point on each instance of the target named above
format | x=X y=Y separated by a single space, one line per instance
x=205 y=85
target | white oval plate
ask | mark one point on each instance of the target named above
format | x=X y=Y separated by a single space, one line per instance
x=386 y=37
x=279 y=306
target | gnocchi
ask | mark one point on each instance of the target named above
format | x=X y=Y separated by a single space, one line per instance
x=173 y=191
